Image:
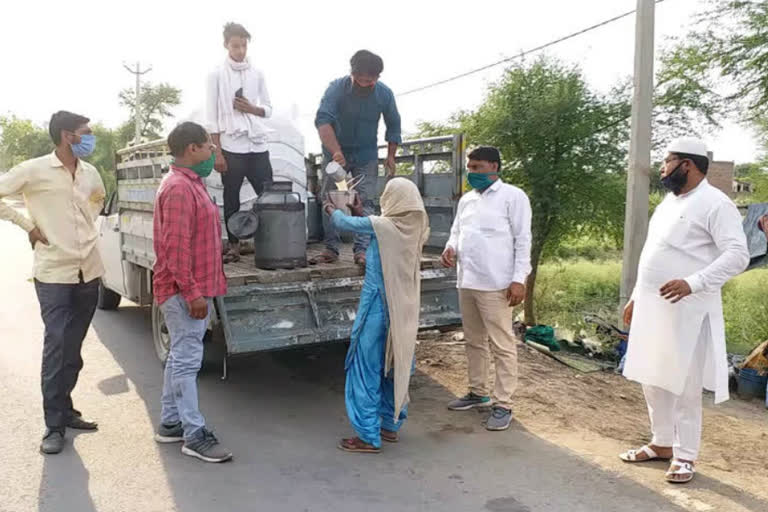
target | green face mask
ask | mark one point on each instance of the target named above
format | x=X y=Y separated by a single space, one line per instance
x=480 y=180
x=205 y=168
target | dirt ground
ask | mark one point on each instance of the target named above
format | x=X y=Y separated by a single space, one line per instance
x=598 y=415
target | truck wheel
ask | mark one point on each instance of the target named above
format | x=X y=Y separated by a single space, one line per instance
x=160 y=335
x=108 y=300
x=212 y=355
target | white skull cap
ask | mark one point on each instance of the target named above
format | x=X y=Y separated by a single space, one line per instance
x=690 y=146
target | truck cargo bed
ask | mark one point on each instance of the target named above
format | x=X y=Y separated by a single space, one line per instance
x=276 y=309
x=245 y=272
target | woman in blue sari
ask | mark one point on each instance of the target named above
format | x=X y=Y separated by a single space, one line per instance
x=380 y=358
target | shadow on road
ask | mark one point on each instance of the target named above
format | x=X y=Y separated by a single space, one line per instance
x=282 y=413
x=65 y=480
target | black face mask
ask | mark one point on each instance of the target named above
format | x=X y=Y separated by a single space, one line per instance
x=675 y=181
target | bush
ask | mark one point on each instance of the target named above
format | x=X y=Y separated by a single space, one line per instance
x=567 y=290
x=746 y=314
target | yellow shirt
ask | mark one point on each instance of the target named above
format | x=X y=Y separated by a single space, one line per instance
x=65 y=211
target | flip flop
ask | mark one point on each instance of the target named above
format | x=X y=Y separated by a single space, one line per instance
x=631 y=455
x=684 y=469
x=357 y=445
x=389 y=436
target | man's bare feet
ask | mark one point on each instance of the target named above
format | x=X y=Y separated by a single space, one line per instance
x=233 y=253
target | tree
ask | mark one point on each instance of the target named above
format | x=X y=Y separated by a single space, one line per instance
x=20 y=140
x=749 y=170
x=564 y=145
x=103 y=157
x=728 y=41
x=156 y=103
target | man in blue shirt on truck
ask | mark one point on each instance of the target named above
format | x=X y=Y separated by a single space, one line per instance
x=348 y=123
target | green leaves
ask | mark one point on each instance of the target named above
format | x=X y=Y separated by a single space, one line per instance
x=156 y=103
x=21 y=139
x=728 y=41
x=562 y=143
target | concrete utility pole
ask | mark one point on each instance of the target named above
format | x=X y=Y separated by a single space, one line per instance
x=138 y=72
x=636 y=219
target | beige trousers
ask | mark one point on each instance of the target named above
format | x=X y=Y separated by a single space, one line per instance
x=487 y=316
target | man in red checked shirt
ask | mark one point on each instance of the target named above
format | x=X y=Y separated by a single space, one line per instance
x=188 y=273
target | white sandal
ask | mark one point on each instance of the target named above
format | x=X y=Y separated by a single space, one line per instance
x=631 y=455
x=685 y=469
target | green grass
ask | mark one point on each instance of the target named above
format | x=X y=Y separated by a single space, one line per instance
x=745 y=307
x=567 y=290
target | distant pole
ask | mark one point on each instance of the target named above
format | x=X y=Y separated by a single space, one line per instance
x=638 y=182
x=137 y=107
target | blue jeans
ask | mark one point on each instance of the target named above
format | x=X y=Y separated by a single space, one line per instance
x=366 y=190
x=179 y=398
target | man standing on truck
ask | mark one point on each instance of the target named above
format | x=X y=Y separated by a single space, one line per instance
x=188 y=274
x=348 y=123
x=237 y=100
x=491 y=241
x=63 y=195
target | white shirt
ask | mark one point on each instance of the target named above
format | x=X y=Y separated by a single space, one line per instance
x=697 y=237
x=254 y=90
x=65 y=208
x=491 y=235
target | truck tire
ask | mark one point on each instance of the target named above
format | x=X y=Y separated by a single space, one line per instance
x=108 y=300
x=160 y=336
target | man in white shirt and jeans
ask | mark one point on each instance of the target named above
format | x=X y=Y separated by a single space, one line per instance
x=491 y=244
x=237 y=102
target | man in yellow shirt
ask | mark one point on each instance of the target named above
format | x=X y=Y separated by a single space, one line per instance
x=63 y=195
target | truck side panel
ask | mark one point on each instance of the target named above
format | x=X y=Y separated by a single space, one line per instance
x=268 y=317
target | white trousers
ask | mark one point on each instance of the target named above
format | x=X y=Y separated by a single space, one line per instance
x=676 y=419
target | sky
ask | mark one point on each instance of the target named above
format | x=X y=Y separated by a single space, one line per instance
x=64 y=55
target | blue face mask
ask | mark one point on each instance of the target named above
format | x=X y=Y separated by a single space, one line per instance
x=85 y=147
x=480 y=180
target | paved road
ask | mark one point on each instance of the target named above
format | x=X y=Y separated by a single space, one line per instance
x=281 y=414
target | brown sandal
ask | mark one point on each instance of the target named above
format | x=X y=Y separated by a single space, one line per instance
x=357 y=445
x=360 y=259
x=326 y=256
x=389 y=436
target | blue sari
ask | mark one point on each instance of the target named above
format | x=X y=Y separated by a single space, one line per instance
x=369 y=394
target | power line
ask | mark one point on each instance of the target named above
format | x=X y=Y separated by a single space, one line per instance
x=522 y=54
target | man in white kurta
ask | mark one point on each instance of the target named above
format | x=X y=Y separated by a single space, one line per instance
x=677 y=338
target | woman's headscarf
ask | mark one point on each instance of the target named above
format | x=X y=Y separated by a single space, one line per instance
x=402 y=230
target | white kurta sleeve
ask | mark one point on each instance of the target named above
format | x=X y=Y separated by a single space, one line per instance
x=724 y=224
x=520 y=217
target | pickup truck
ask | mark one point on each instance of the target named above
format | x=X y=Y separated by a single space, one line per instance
x=278 y=309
